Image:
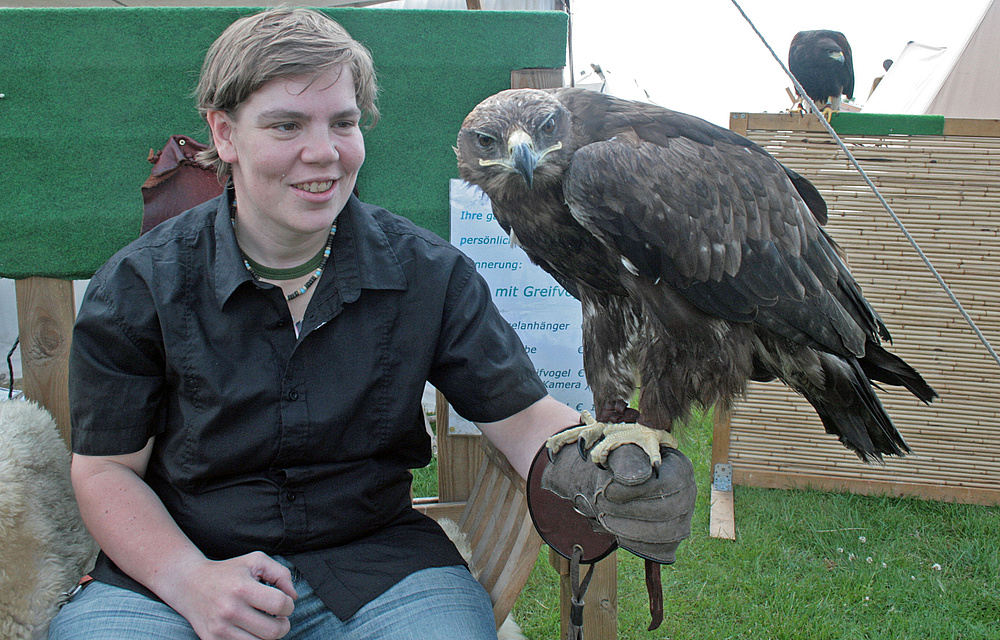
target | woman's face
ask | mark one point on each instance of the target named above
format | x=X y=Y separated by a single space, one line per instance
x=295 y=147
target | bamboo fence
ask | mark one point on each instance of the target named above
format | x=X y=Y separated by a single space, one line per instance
x=946 y=190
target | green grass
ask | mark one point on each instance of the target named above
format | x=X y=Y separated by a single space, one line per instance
x=808 y=565
x=425 y=480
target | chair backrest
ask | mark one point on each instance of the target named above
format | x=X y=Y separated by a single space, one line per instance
x=498 y=528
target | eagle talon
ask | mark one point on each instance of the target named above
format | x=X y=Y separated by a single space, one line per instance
x=587 y=433
x=601 y=439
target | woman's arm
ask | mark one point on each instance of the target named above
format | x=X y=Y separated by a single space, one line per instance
x=521 y=435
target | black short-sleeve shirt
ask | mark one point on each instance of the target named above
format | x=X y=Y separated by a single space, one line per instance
x=297 y=446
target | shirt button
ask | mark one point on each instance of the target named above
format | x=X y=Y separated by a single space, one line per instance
x=292 y=496
x=293 y=395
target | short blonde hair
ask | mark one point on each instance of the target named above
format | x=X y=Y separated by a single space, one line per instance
x=279 y=43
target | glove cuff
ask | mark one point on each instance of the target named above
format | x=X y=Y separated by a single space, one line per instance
x=558 y=522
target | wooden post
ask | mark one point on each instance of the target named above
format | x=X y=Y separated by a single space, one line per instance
x=458 y=458
x=738 y=122
x=536 y=78
x=720 y=437
x=722 y=506
x=722 y=503
x=45 y=314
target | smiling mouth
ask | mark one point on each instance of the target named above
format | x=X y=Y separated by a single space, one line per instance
x=315 y=187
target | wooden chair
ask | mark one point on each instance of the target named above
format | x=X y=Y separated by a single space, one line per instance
x=489 y=509
x=498 y=528
x=493 y=517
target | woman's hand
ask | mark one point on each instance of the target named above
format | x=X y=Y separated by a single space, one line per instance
x=248 y=597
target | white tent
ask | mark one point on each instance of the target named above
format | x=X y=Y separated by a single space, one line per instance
x=957 y=82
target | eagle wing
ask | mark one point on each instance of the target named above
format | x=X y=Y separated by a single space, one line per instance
x=722 y=223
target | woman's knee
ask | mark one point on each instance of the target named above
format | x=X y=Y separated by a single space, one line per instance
x=444 y=602
x=104 y=612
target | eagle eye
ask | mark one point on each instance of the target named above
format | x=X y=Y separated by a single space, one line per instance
x=549 y=125
x=484 y=141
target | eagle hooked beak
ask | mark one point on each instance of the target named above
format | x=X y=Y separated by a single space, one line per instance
x=838 y=56
x=523 y=158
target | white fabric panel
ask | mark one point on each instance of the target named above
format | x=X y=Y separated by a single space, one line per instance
x=960 y=82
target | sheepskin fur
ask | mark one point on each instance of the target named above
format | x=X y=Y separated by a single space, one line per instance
x=44 y=547
x=509 y=630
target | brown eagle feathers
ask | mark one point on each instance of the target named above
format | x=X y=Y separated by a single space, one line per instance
x=699 y=260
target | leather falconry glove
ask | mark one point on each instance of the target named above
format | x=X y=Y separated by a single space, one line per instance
x=584 y=510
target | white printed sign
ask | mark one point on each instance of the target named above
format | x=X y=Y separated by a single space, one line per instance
x=545 y=316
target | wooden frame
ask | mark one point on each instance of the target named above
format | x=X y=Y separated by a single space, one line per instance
x=946 y=190
x=45 y=313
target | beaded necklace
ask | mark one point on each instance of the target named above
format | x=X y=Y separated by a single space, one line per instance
x=314 y=264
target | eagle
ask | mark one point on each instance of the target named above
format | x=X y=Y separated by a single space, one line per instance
x=699 y=260
x=822 y=63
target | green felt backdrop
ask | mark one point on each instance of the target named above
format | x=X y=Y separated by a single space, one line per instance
x=877 y=124
x=88 y=92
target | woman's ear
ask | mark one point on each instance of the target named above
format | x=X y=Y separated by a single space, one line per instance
x=221 y=125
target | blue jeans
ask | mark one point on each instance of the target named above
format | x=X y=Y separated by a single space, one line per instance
x=443 y=603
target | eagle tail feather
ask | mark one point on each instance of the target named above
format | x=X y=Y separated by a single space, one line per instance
x=850 y=409
x=878 y=364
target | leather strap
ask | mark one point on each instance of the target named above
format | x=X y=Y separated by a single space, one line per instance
x=654 y=587
x=577 y=589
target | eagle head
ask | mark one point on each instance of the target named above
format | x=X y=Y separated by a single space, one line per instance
x=834 y=53
x=518 y=137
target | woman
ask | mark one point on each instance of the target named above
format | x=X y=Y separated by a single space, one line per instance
x=246 y=379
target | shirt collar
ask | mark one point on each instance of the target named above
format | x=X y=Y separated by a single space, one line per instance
x=362 y=256
x=230 y=272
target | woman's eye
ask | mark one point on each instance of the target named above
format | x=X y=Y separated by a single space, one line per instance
x=484 y=140
x=286 y=127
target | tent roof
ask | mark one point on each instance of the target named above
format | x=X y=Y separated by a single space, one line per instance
x=958 y=82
